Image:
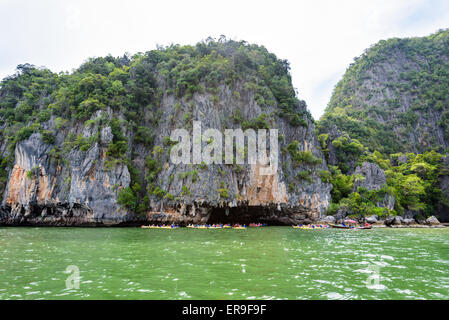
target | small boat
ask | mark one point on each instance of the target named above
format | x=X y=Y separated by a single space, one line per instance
x=340 y=226
x=239 y=228
x=367 y=226
x=257 y=225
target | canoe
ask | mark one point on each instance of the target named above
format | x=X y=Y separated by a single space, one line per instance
x=364 y=228
x=336 y=226
x=239 y=228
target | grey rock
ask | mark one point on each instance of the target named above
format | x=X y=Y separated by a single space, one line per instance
x=408 y=221
x=388 y=201
x=82 y=186
x=341 y=215
x=389 y=220
x=410 y=214
x=432 y=221
x=373 y=177
x=372 y=219
x=106 y=135
x=397 y=220
x=328 y=219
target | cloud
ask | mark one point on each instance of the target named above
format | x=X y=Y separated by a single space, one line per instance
x=319 y=38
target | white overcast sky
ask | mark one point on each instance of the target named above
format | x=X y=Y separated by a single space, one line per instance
x=320 y=38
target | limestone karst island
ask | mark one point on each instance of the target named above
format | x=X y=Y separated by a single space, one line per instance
x=367 y=182
x=92 y=147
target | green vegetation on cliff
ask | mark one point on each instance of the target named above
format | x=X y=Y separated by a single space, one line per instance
x=391 y=108
x=412 y=179
x=395 y=97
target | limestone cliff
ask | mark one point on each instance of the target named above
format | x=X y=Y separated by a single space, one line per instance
x=394 y=97
x=95 y=150
x=387 y=120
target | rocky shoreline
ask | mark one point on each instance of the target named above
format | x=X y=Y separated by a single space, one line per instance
x=392 y=222
x=75 y=217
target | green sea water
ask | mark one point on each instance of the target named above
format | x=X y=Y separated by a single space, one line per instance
x=260 y=263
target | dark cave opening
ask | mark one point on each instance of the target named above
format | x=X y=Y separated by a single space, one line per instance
x=243 y=215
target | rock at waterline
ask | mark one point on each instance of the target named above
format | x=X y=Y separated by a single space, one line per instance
x=372 y=219
x=432 y=221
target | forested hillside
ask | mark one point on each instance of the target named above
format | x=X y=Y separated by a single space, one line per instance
x=395 y=97
x=391 y=109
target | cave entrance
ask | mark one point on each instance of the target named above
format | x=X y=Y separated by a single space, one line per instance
x=242 y=215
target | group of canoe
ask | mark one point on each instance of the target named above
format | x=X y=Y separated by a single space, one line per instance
x=162 y=226
x=225 y=226
x=206 y=226
x=210 y=226
x=335 y=226
x=310 y=227
x=258 y=225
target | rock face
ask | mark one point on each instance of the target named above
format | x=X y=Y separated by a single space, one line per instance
x=94 y=147
x=372 y=177
x=82 y=187
x=394 y=97
x=335 y=156
x=78 y=192
x=277 y=198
